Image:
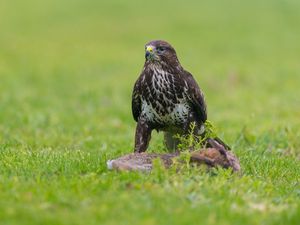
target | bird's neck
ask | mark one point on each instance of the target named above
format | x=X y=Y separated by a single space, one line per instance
x=165 y=67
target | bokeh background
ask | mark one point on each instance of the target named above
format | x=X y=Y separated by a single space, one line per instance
x=67 y=70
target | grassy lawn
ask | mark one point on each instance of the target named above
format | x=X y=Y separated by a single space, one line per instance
x=67 y=69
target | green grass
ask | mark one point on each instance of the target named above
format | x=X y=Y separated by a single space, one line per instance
x=67 y=69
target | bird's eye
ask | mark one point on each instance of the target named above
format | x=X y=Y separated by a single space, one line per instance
x=160 y=49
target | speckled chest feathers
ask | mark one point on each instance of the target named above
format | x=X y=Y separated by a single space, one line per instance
x=163 y=99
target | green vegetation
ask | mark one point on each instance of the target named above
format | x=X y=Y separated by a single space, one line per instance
x=67 y=69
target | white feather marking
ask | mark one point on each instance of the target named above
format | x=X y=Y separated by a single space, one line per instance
x=201 y=130
x=180 y=110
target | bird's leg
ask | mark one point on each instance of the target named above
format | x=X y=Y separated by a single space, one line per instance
x=142 y=136
x=170 y=141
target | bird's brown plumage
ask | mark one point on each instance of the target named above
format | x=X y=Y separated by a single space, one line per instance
x=165 y=97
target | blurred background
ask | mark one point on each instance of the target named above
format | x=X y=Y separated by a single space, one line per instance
x=67 y=68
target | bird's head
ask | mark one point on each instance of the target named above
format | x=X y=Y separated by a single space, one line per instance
x=159 y=51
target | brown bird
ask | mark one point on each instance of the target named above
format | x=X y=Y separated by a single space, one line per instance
x=166 y=98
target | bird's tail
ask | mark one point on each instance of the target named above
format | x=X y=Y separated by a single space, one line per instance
x=215 y=142
x=208 y=133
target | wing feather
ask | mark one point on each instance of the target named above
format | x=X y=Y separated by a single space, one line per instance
x=136 y=101
x=195 y=96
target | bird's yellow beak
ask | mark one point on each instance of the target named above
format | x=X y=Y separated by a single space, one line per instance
x=149 y=49
x=149 y=52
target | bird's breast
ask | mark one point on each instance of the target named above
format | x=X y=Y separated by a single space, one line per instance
x=163 y=100
x=174 y=115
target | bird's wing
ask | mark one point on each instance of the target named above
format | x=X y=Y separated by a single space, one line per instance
x=195 y=96
x=136 y=101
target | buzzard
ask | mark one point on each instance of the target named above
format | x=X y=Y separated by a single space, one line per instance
x=166 y=98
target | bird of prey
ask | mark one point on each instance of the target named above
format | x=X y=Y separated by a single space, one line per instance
x=166 y=98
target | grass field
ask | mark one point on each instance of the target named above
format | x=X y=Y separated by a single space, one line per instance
x=67 y=69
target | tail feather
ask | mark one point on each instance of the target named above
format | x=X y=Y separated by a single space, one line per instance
x=213 y=142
